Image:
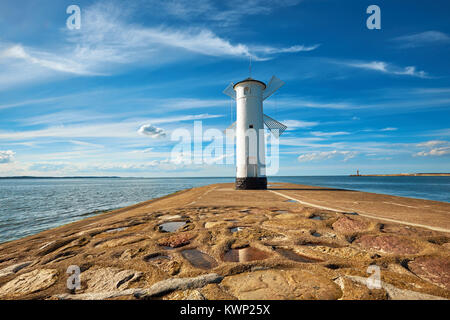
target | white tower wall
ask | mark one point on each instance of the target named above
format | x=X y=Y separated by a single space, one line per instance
x=250 y=149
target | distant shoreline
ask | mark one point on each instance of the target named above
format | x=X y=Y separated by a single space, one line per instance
x=403 y=175
x=75 y=177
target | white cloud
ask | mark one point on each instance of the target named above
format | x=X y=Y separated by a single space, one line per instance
x=324 y=155
x=431 y=143
x=387 y=68
x=151 y=131
x=292 y=49
x=389 y=129
x=434 y=152
x=45 y=60
x=6 y=156
x=434 y=148
x=422 y=39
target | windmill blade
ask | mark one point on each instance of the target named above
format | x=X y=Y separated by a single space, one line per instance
x=273 y=124
x=273 y=85
x=231 y=127
x=229 y=91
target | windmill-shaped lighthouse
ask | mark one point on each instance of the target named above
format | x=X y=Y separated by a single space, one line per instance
x=250 y=120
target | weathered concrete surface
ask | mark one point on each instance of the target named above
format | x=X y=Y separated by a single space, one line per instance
x=30 y=282
x=330 y=245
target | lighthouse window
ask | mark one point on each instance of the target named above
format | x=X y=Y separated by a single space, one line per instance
x=250 y=126
x=246 y=90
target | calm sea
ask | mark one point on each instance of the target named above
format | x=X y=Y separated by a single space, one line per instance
x=28 y=206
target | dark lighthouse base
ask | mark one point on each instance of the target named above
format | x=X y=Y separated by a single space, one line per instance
x=251 y=183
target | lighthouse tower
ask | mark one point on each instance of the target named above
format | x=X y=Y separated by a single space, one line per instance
x=249 y=128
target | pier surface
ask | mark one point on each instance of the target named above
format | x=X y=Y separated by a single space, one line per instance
x=214 y=242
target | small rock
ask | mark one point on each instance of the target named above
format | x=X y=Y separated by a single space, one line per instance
x=175 y=241
x=30 y=282
x=347 y=225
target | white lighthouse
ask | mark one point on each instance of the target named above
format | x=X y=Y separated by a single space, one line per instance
x=249 y=127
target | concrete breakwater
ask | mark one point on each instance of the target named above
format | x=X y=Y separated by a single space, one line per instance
x=214 y=242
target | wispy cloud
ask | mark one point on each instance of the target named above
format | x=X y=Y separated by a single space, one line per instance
x=387 y=68
x=434 y=148
x=45 y=60
x=329 y=134
x=324 y=155
x=28 y=102
x=292 y=49
x=227 y=13
x=122 y=129
x=422 y=39
x=108 y=42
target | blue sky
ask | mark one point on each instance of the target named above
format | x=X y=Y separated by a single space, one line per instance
x=105 y=99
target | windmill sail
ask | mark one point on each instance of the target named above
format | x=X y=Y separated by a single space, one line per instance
x=273 y=124
x=229 y=91
x=273 y=85
x=231 y=127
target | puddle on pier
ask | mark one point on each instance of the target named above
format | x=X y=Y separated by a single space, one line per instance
x=236 y=229
x=244 y=255
x=291 y=200
x=316 y=234
x=316 y=217
x=291 y=255
x=281 y=211
x=115 y=230
x=199 y=259
x=156 y=257
x=171 y=226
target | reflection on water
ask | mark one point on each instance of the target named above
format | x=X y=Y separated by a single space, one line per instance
x=244 y=255
x=156 y=257
x=236 y=229
x=199 y=259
